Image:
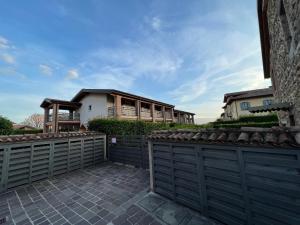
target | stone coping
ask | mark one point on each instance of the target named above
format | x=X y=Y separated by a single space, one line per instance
x=275 y=136
x=44 y=136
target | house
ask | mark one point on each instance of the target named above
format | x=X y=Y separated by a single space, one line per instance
x=237 y=104
x=22 y=127
x=279 y=24
x=87 y=104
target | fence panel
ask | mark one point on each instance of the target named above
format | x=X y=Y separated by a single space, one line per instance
x=25 y=162
x=234 y=185
x=129 y=149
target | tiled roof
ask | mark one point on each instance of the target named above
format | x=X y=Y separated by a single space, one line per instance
x=269 y=108
x=275 y=136
x=229 y=97
x=42 y=137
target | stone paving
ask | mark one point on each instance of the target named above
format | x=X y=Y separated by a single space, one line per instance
x=107 y=194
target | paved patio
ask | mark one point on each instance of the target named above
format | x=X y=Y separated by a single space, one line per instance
x=107 y=194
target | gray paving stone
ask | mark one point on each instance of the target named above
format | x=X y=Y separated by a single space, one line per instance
x=151 y=202
x=172 y=214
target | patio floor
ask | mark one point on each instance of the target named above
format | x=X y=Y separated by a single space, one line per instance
x=107 y=194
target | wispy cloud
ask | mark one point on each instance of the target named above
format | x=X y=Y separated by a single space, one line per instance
x=156 y=23
x=4 y=43
x=72 y=74
x=45 y=69
x=7 y=58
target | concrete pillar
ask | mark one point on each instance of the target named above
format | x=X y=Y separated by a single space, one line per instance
x=55 y=118
x=164 y=113
x=118 y=106
x=46 y=119
x=153 y=112
x=172 y=114
x=138 y=109
x=71 y=114
x=178 y=117
x=193 y=121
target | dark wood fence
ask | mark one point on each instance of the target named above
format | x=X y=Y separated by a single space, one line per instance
x=25 y=162
x=128 y=149
x=234 y=185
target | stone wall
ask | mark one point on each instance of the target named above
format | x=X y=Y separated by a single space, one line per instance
x=284 y=30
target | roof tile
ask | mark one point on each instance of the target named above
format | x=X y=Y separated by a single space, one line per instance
x=244 y=136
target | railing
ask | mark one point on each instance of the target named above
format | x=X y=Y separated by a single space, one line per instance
x=168 y=115
x=145 y=112
x=66 y=117
x=158 y=114
x=128 y=110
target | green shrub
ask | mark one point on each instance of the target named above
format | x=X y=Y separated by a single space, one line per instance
x=133 y=127
x=19 y=131
x=238 y=125
x=5 y=124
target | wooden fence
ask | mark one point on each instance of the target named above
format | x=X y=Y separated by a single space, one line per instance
x=25 y=162
x=234 y=185
x=128 y=149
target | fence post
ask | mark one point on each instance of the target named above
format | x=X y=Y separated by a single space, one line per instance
x=150 y=149
x=82 y=154
x=30 y=163
x=203 y=194
x=244 y=185
x=5 y=166
x=69 y=153
x=104 y=147
x=51 y=159
x=94 y=151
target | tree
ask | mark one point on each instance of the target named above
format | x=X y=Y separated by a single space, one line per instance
x=35 y=120
x=5 y=124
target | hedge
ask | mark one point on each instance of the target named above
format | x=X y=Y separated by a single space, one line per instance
x=5 y=124
x=133 y=127
x=19 y=131
x=238 y=125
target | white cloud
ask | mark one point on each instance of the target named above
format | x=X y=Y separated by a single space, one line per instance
x=156 y=23
x=45 y=69
x=7 y=58
x=3 y=43
x=72 y=74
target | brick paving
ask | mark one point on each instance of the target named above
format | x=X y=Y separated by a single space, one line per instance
x=107 y=194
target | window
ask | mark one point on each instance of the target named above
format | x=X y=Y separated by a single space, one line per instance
x=267 y=102
x=285 y=24
x=90 y=107
x=245 y=105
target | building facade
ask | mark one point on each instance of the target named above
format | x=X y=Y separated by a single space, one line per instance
x=238 y=104
x=279 y=22
x=88 y=104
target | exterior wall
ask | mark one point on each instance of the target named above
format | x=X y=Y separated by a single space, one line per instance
x=99 y=107
x=235 y=109
x=285 y=54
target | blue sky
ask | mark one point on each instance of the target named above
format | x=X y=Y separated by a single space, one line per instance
x=188 y=53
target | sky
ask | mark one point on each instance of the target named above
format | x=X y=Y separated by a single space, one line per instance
x=187 y=53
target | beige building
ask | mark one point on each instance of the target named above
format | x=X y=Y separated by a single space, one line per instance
x=279 y=23
x=238 y=104
x=88 y=104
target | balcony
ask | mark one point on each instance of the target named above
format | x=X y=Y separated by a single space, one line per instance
x=66 y=117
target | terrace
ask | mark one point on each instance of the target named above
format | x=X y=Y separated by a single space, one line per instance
x=105 y=194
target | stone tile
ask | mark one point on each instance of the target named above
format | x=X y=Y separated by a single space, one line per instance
x=172 y=214
x=151 y=202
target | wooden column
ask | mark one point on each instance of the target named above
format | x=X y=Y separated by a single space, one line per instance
x=55 y=118
x=163 y=108
x=46 y=118
x=153 y=112
x=172 y=114
x=118 y=106
x=138 y=109
x=178 y=117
